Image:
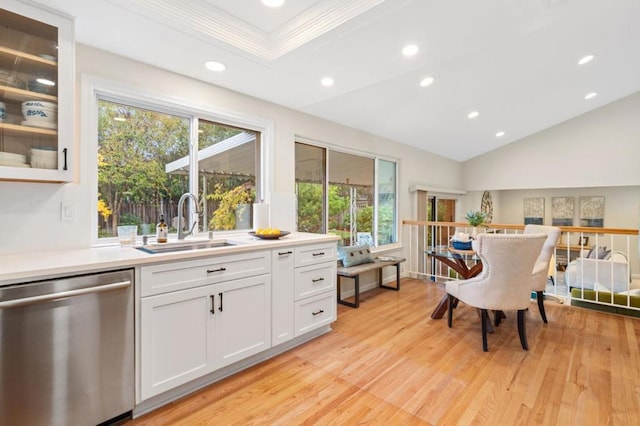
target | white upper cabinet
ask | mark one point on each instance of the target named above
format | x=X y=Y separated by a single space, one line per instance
x=36 y=94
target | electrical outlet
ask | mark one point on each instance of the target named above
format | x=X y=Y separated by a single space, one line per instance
x=67 y=211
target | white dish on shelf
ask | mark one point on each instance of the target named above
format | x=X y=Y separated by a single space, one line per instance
x=13 y=158
x=41 y=124
x=40 y=104
x=43 y=153
x=42 y=163
x=13 y=164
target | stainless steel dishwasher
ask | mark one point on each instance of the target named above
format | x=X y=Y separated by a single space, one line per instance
x=67 y=350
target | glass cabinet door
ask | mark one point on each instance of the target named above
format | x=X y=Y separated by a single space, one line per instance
x=30 y=100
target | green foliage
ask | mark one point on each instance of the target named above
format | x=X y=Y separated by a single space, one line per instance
x=224 y=218
x=386 y=224
x=475 y=218
x=132 y=155
x=129 y=219
x=310 y=207
x=364 y=219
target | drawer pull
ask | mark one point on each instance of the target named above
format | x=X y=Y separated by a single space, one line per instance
x=284 y=253
x=317 y=313
x=211 y=271
x=213 y=304
x=220 y=294
x=317 y=279
x=318 y=254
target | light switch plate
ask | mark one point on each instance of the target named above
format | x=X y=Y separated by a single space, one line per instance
x=67 y=211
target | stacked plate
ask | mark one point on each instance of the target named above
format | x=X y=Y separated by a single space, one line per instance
x=44 y=158
x=13 y=160
x=40 y=114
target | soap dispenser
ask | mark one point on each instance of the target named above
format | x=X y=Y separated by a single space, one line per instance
x=162 y=230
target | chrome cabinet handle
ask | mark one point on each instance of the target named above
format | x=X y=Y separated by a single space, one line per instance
x=317 y=313
x=211 y=271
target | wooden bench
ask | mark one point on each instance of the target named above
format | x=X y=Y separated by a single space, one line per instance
x=354 y=272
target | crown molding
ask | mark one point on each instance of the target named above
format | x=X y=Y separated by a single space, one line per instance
x=209 y=23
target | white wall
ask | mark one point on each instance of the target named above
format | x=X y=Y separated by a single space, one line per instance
x=30 y=213
x=597 y=149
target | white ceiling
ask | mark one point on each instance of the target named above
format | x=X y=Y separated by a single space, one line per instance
x=514 y=61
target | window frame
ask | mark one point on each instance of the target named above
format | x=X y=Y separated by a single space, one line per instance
x=95 y=89
x=375 y=157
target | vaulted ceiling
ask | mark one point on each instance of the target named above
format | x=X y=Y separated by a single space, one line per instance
x=515 y=62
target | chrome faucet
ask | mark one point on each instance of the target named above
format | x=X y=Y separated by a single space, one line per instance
x=182 y=234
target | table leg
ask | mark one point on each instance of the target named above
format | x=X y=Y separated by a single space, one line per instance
x=440 y=310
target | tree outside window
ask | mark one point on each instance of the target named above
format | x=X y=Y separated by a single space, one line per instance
x=144 y=161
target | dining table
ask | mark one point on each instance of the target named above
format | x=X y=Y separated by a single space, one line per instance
x=466 y=263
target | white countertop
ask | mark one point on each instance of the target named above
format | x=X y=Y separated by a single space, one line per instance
x=33 y=266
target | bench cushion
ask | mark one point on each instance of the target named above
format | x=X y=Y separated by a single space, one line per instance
x=355 y=255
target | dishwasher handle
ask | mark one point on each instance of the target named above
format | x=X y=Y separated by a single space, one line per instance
x=64 y=294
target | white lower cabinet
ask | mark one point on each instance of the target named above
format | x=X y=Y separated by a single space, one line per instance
x=188 y=333
x=314 y=294
x=177 y=340
x=242 y=320
x=198 y=316
x=314 y=312
x=282 y=289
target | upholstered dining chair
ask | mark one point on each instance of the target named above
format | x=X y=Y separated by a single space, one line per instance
x=542 y=266
x=505 y=281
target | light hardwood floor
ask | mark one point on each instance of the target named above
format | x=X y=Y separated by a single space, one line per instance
x=389 y=363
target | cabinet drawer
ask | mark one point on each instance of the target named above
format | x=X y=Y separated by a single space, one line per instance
x=313 y=254
x=314 y=279
x=315 y=312
x=174 y=276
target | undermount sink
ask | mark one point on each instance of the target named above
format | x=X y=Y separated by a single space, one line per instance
x=183 y=246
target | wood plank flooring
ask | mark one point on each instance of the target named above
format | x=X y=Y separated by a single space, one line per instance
x=389 y=363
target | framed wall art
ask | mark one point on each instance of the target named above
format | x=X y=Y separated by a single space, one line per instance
x=592 y=211
x=563 y=211
x=533 y=210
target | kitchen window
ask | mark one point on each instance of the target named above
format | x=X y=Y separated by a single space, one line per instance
x=346 y=194
x=149 y=155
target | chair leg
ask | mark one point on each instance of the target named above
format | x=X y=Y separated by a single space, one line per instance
x=484 y=320
x=450 y=311
x=540 y=298
x=522 y=330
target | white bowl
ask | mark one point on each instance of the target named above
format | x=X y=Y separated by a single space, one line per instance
x=40 y=104
x=43 y=153
x=39 y=114
x=44 y=163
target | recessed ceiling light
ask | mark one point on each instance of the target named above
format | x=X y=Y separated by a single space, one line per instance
x=215 y=66
x=500 y=134
x=273 y=3
x=473 y=114
x=327 y=82
x=410 y=50
x=586 y=59
x=591 y=95
x=427 y=81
